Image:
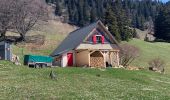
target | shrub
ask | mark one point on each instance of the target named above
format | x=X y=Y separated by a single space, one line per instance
x=128 y=54
x=157 y=65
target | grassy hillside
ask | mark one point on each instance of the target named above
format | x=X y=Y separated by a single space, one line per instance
x=54 y=32
x=150 y=51
x=20 y=82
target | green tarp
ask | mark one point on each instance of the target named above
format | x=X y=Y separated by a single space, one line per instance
x=37 y=58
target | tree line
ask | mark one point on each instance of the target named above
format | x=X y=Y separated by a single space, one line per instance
x=120 y=15
x=162 y=24
x=82 y=12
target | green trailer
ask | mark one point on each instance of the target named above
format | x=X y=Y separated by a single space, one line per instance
x=37 y=61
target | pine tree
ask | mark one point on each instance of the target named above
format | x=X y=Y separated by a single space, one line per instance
x=111 y=22
x=122 y=21
x=47 y=1
x=58 y=9
x=135 y=35
x=80 y=10
x=86 y=11
x=93 y=13
x=162 y=24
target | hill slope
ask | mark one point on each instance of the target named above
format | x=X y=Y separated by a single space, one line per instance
x=54 y=32
x=150 y=51
x=78 y=83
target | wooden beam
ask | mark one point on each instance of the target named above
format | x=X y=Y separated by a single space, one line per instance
x=118 y=58
x=89 y=59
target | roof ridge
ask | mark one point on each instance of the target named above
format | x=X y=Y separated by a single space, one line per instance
x=88 y=25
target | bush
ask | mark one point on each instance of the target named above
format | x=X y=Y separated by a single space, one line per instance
x=128 y=54
x=157 y=65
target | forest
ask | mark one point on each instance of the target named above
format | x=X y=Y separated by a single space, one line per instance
x=121 y=16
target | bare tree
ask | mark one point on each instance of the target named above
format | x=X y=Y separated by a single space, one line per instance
x=128 y=54
x=6 y=16
x=21 y=16
x=29 y=12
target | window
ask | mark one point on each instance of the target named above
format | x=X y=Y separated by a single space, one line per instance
x=98 y=39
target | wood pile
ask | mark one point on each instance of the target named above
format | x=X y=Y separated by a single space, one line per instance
x=114 y=58
x=96 y=60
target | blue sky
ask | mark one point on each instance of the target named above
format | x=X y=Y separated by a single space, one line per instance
x=165 y=0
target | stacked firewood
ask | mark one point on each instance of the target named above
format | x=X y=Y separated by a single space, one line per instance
x=114 y=59
x=97 y=62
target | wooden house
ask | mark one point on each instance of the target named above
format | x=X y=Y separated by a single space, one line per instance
x=90 y=46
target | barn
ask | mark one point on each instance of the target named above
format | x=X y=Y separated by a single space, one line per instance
x=5 y=51
x=91 y=46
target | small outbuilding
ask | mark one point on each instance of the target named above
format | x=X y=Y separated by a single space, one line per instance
x=5 y=51
x=90 y=46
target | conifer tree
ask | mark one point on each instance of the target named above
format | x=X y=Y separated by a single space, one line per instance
x=111 y=22
x=93 y=14
x=58 y=9
x=122 y=21
x=86 y=12
x=162 y=24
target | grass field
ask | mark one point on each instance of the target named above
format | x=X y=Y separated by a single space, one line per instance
x=150 y=51
x=22 y=83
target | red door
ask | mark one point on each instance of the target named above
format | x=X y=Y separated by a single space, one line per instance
x=70 y=59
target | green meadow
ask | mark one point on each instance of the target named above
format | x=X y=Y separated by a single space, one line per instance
x=23 y=83
x=151 y=50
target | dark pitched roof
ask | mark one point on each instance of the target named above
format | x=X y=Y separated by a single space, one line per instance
x=74 y=39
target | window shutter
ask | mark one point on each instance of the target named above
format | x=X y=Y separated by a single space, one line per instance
x=94 y=39
x=102 y=39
